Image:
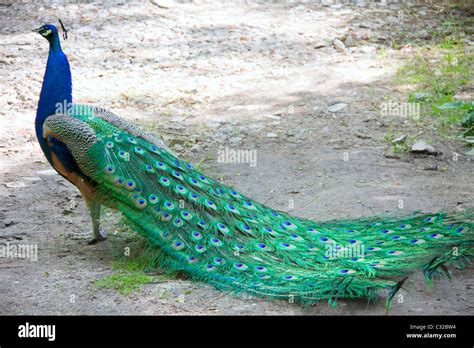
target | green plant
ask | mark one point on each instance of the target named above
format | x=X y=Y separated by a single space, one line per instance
x=437 y=73
x=466 y=120
x=124 y=282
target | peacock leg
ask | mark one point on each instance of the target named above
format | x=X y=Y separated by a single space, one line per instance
x=98 y=234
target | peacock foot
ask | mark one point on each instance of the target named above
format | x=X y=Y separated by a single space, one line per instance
x=99 y=236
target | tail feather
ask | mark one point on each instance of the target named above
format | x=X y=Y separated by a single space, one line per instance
x=216 y=234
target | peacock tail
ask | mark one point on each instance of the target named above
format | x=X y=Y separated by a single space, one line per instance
x=217 y=235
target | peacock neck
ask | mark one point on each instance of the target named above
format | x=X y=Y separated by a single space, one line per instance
x=56 y=92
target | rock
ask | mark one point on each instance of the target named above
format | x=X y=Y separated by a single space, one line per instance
x=368 y=49
x=422 y=146
x=31 y=178
x=337 y=107
x=424 y=34
x=384 y=36
x=214 y=124
x=252 y=129
x=349 y=41
x=420 y=95
x=15 y=184
x=363 y=136
x=272 y=135
x=178 y=119
x=400 y=139
x=301 y=135
x=47 y=172
x=431 y=167
x=470 y=152
x=363 y=34
x=392 y=20
x=195 y=148
x=178 y=148
x=366 y=25
x=225 y=130
x=339 y=45
x=391 y=156
x=235 y=140
x=273 y=117
x=193 y=138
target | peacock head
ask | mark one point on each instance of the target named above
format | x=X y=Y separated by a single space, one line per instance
x=50 y=32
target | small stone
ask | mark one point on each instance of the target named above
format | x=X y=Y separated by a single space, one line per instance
x=363 y=136
x=339 y=45
x=272 y=135
x=368 y=49
x=273 y=117
x=363 y=34
x=424 y=34
x=235 y=140
x=15 y=184
x=31 y=178
x=178 y=148
x=392 y=20
x=422 y=146
x=366 y=25
x=431 y=167
x=301 y=135
x=384 y=36
x=470 y=152
x=420 y=95
x=349 y=41
x=399 y=139
x=225 y=130
x=178 y=119
x=47 y=172
x=195 y=148
x=337 y=107
x=214 y=124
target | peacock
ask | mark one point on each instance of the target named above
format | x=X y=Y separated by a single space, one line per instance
x=214 y=233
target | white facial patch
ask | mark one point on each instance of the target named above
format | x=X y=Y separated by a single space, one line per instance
x=46 y=32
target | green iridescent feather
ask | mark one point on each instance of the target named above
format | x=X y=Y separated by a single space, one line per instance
x=215 y=234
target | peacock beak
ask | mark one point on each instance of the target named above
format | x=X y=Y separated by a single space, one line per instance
x=36 y=30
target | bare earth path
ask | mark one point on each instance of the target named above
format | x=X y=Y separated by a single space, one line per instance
x=249 y=76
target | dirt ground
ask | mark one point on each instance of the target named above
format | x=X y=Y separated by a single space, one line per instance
x=245 y=75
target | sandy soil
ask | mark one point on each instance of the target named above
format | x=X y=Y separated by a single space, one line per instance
x=249 y=76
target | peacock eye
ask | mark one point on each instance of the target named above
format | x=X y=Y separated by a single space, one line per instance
x=46 y=32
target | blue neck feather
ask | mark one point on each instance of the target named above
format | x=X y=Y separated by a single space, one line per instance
x=56 y=90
